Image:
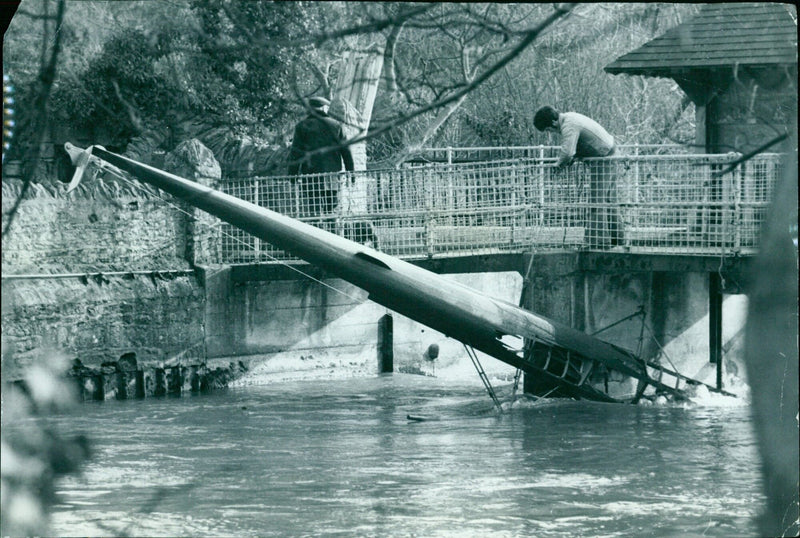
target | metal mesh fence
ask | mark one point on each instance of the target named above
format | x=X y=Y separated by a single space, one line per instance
x=670 y=203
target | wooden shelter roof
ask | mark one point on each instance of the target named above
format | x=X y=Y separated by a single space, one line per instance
x=719 y=35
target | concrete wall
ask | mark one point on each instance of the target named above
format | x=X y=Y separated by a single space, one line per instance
x=302 y=328
x=676 y=331
x=675 y=305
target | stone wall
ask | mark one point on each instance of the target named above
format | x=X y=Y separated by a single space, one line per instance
x=121 y=280
x=99 y=227
x=100 y=318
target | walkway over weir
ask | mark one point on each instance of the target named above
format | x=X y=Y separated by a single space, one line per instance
x=667 y=204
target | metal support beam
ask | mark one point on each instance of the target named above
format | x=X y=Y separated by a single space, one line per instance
x=482 y=374
x=715 y=323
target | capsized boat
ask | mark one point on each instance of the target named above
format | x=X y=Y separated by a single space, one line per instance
x=563 y=361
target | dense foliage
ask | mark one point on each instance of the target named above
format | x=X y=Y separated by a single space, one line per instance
x=239 y=70
x=120 y=89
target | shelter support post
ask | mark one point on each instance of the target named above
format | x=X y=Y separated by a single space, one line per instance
x=715 y=323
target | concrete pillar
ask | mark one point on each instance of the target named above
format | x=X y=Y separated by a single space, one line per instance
x=386 y=344
x=557 y=290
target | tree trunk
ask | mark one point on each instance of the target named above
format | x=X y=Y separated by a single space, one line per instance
x=354 y=97
x=352 y=104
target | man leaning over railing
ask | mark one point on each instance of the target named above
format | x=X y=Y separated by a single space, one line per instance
x=582 y=137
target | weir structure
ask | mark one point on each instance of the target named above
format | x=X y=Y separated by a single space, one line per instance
x=561 y=360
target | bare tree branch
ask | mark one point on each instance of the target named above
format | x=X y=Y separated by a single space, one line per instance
x=133 y=115
x=372 y=27
x=530 y=37
x=390 y=74
x=749 y=155
x=454 y=99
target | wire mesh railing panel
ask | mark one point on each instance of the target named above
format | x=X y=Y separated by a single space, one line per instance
x=667 y=203
x=756 y=187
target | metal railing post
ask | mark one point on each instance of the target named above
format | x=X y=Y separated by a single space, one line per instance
x=540 y=187
x=296 y=189
x=428 y=229
x=338 y=211
x=256 y=240
x=450 y=191
x=705 y=212
x=635 y=215
x=736 y=218
x=513 y=202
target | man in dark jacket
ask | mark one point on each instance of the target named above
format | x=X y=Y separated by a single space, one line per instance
x=319 y=148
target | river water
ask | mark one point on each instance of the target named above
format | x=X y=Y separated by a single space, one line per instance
x=310 y=458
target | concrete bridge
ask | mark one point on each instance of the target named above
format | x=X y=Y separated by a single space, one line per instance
x=689 y=227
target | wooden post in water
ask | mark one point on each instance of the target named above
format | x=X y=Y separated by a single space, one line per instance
x=174 y=381
x=715 y=323
x=98 y=390
x=194 y=379
x=161 y=387
x=139 y=383
x=122 y=384
x=385 y=344
x=204 y=386
x=79 y=381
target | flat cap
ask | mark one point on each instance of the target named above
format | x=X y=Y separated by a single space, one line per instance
x=318 y=102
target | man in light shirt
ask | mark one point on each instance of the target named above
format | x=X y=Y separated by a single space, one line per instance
x=583 y=137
